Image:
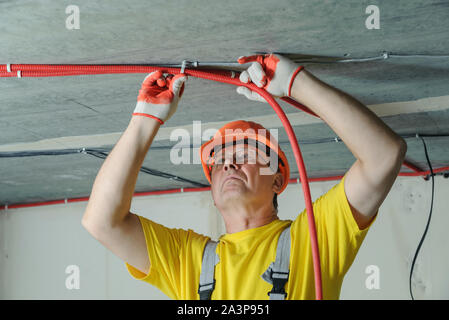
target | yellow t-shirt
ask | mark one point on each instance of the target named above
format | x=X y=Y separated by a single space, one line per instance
x=176 y=255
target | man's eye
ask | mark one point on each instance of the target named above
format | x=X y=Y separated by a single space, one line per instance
x=241 y=158
x=219 y=161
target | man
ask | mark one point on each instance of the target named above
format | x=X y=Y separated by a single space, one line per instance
x=171 y=259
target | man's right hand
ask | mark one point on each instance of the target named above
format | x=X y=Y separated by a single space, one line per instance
x=159 y=96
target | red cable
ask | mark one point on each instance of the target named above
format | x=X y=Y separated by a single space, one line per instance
x=200 y=189
x=305 y=186
x=230 y=77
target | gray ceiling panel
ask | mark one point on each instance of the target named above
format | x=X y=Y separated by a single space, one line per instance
x=142 y=32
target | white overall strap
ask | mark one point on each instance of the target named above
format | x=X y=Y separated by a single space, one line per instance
x=278 y=271
x=207 y=281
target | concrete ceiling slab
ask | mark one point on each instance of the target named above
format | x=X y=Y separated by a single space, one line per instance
x=49 y=110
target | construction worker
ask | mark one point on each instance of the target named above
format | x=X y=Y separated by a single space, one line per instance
x=172 y=259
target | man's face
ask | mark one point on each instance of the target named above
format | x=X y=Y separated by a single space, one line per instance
x=240 y=174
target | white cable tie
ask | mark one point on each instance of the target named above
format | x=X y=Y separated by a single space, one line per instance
x=385 y=55
x=232 y=74
x=297 y=180
x=182 y=189
x=83 y=150
x=186 y=63
x=19 y=74
x=417 y=136
x=336 y=139
x=8 y=67
x=183 y=66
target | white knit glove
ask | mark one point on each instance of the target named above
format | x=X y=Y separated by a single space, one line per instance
x=159 y=96
x=272 y=72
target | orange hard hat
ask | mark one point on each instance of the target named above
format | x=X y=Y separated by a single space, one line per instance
x=247 y=132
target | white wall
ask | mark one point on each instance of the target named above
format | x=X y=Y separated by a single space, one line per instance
x=37 y=244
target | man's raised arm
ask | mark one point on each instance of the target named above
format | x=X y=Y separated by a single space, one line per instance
x=107 y=215
x=379 y=151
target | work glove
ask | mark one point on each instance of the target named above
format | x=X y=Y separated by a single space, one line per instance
x=272 y=72
x=159 y=96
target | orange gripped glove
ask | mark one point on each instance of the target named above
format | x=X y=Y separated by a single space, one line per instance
x=159 y=96
x=272 y=72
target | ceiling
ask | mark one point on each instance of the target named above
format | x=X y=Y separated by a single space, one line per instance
x=411 y=95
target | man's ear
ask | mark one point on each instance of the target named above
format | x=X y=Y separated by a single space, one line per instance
x=278 y=182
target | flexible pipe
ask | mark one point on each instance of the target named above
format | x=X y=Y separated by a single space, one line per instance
x=55 y=70
x=230 y=77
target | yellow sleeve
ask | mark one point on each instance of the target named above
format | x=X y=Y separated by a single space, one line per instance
x=167 y=249
x=339 y=237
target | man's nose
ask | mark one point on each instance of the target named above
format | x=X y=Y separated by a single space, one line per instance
x=230 y=164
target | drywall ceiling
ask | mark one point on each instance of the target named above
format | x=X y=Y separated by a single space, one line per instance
x=411 y=95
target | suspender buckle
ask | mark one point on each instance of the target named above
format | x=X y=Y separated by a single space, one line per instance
x=279 y=280
x=205 y=290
